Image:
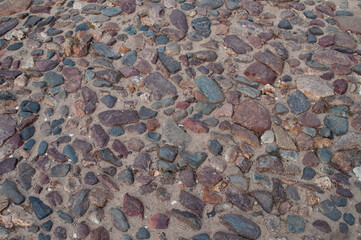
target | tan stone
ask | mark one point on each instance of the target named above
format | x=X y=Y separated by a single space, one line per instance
x=9 y=7
x=282 y=139
x=314 y=87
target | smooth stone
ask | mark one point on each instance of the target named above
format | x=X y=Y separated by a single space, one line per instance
x=338 y=125
x=194 y=159
x=314 y=87
x=40 y=209
x=11 y=191
x=111 y=11
x=295 y=224
x=260 y=73
x=328 y=209
x=120 y=221
x=159 y=86
x=241 y=225
x=105 y=50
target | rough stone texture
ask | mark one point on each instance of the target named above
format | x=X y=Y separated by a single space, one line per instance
x=314 y=87
x=252 y=115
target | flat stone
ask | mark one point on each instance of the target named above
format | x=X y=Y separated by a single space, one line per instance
x=338 y=125
x=188 y=218
x=80 y=202
x=237 y=45
x=260 y=73
x=241 y=225
x=159 y=85
x=179 y=20
x=170 y=63
x=192 y=203
x=46 y=65
x=226 y=236
x=328 y=209
x=210 y=89
x=53 y=79
x=120 y=221
x=349 y=141
x=7 y=165
x=208 y=177
x=272 y=61
x=73 y=79
x=142 y=162
x=26 y=172
x=282 y=139
x=133 y=206
x=111 y=118
x=99 y=136
x=99 y=233
x=8 y=8
x=265 y=199
x=194 y=159
x=110 y=75
x=252 y=115
x=11 y=191
x=271 y=164
x=349 y=23
x=314 y=87
x=128 y=6
x=8 y=25
x=10 y=74
x=295 y=224
x=202 y=26
x=245 y=135
x=107 y=155
x=105 y=50
x=159 y=221
x=60 y=170
x=40 y=209
x=329 y=57
x=298 y=102
x=7 y=128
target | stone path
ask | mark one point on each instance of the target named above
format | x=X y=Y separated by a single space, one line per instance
x=180 y=119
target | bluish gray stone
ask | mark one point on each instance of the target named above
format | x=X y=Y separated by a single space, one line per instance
x=202 y=26
x=12 y=192
x=241 y=225
x=210 y=89
x=111 y=11
x=298 y=102
x=295 y=224
x=338 y=125
x=120 y=221
x=328 y=209
x=170 y=63
x=130 y=58
x=105 y=50
x=40 y=209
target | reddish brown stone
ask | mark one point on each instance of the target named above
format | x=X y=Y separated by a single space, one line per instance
x=259 y=72
x=211 y=197
x=195 y=125
x=310 y=160
x=99 y=233
x=245 y=135
x=326 y=41
x=340 y=86
x=344 y=160
x=192 y=203
x=340 y=69
x=152 y=124
x=309 y=119
x=267 y=58
x=133 y=206
x=159 y=221
x=304 y=142
x=356 y=122
x=208 y=177
x=322 y=226
x=253 y=116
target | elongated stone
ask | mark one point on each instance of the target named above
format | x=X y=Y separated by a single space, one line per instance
x=241 y=225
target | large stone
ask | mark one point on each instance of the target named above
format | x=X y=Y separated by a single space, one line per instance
x=127 y=6
x=159 y=85
x=40 y=209
x=7 y=127
x=282 y=138
x=314 y=87
x=349 y=141
x=202 y=26
x=298 y=102
x=80 y=202
x=113 y=118
x=272 y=61
x=179 y=20
x=259 y=72
x=142 y=162
x=210 y=89
x=329 y=57
x=11 y=191
x=133 y=206
x=170 y=63
x=271 y=164
x=174 y=135
x=8 y=165
x=349 y=23
x=241 y=225
x=105 y=50
x=188 y=218
x=8 y=25
x=252 y=115
x=120 y=221
x=8 y=7
x=192 y=203
x=245 y=135
x=328 y=209
x=73 y=79
x=236 y=44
